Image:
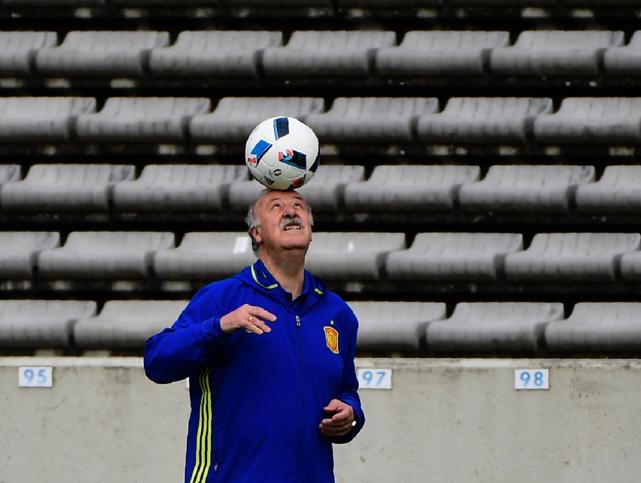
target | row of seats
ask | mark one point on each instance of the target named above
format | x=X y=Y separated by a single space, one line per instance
x=463 y=120
x=346 y=256
x=403 y=327
x=95 y=188
x=319 y=54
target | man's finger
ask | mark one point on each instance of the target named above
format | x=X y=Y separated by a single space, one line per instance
x=261 y=313
x=341 y=415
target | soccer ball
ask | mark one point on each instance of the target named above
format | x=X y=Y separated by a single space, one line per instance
x=282 y=153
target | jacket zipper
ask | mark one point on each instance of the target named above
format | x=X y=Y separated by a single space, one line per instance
x=300 y=389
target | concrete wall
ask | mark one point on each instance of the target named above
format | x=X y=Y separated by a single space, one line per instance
x=444 y=421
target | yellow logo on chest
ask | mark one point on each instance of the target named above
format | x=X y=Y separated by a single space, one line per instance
x=331 y=338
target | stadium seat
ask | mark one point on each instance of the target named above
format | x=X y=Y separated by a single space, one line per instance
x=9 y=172
x=326 y=53
x=525 y=188
x=554 y=53
x=394 y=326
x=617 y=191
x=126 y=324
x=591 y=120
x=104 y=255
x=351 y=256
x=409 y=188
x=424 y=53
x=231 y=53
x=103 y=53
x=40 y=324
x=141 y=119
x=626 y=59
x=235 y=117
x=177 y=188
x=597 y=327
x=30 y=119
x=205 y=256
x=453 y=256
x=18 y=49
x=20 y=250
x=578 y=257
x=279 y=3
x=381 y=4
x=371 y=119
x=493 y=328
x=483 y=120
x=50 y=188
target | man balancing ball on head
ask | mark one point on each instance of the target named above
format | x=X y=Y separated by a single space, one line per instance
x=270 y=357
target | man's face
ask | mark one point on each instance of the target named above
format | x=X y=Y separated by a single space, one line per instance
x=284 y=222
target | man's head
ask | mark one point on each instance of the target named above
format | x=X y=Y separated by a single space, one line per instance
x=280 y=221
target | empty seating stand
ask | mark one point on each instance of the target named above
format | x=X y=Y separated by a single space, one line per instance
x=64 y=188
x=18 y=257
x=213 y=54
x=234 y=117
x=438 y=53
x=104 y=53
x=40 y=119
x=351 y=256
x=624 y=60
x=126 y=324
x=525 y=188
x=177 y=188
x=9 y=172
x=592 y=120
x=40 y=324
x=483 y=120
x=18 y=49
x=371 y=119
x=409 y=188
x=564 y=257
x=493 y=328
x=104 y=256
x=554 y=53
x=617 y=191
x=394 y=326
x=453 y=256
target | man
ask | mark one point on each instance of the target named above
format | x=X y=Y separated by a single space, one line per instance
x=270 y=357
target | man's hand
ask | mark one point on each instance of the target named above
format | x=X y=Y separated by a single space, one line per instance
x=340 y=421
x=249 y=317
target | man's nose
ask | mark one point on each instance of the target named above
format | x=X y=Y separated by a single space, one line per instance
x=290 y=210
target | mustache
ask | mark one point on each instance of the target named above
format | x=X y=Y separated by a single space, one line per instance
x=291 y=220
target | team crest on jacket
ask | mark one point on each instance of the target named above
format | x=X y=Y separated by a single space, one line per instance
x=331 y=338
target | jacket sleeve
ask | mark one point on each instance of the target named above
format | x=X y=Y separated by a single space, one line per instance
x=349 y=394
x=192 y=343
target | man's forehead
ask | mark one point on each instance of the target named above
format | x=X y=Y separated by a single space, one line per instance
x=277 y=195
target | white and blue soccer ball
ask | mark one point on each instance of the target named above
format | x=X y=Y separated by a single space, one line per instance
x=282 y=153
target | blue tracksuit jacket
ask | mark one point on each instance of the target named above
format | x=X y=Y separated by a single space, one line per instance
x=257 y=400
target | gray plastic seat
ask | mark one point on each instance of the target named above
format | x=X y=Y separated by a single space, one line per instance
x=18 y=49
x=126 y=324
x=20 y=250
x=483 y=120
x=65 y=188
x=409 y=188
x=326 y=53
x=226 y=53
x=597 y=327
x=578 y=257
x=631 y=266
x=423 y=53
x=592 y=120
x=235 y=117
x=351 y=257
x=394 y=326
x=554 y=53
x=618 y=190
x=150 y=119
x=324 y=192
x=25 y=119
x=102 y=53
x=525 y=188
x=626 y=59
x=453 y=256
x=9 y=172
x=205 y=256
x=493 y=327
x=177 y=187
x=96 y=255
x=371 y=119
x=40 y=324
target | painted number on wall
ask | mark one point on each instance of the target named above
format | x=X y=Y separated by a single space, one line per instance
x=35 y=376
x=531 y=379
x=374 y=378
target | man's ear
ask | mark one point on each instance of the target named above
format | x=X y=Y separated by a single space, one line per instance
x=255 y=235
